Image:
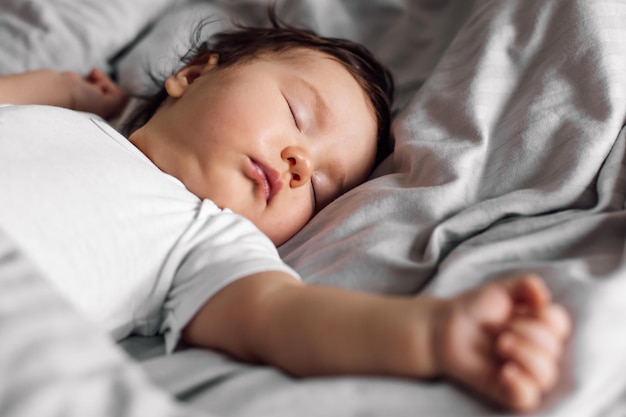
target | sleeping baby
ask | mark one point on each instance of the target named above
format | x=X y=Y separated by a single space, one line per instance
x=173 y=229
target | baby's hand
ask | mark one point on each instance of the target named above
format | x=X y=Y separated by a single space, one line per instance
x=95 y=93
x=503 y=340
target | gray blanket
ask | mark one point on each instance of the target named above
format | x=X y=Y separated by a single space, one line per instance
x=510 y=156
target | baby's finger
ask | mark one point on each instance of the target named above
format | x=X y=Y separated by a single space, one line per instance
x=529 y=291
x=96 y=75
x=540 y=366
x=557 y=318
x=102 y=81
x=521 y=392
x=539 y=333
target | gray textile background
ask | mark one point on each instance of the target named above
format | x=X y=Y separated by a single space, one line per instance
x=510 y=156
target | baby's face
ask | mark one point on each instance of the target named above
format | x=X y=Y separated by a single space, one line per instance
x=275 y=139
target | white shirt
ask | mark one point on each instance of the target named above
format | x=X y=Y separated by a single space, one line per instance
x=129 y=245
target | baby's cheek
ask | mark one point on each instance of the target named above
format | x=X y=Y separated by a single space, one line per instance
x=282 y=225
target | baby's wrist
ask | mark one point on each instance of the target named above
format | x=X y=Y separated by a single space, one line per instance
x=440 y=314
x=428 y=330
x=66 y=89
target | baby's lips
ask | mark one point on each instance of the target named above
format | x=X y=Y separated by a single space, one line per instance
x=272 y=178
x=261 y=179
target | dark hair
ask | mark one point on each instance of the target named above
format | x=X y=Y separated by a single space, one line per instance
x=246 y=43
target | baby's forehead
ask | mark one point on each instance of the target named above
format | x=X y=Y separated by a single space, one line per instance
x=296 y=55
x=308 y=59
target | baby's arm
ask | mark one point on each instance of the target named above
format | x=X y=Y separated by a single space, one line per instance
x=314 y=330
x=95 y=93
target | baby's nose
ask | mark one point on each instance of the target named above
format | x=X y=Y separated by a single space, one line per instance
x=300 y=165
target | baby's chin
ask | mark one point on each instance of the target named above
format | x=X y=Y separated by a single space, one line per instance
x=279 y=225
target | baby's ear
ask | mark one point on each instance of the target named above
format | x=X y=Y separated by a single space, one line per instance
x=177 y=84
x=212 y=62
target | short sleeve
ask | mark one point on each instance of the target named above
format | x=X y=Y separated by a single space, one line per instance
x=215 y=253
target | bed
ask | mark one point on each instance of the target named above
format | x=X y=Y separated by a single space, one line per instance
x=510 y=155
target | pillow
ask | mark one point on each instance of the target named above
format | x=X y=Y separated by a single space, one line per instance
x=159 y=52
x=408 y=38
x=68 y=34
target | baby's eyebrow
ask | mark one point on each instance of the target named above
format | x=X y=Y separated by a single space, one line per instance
x=320 y=106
